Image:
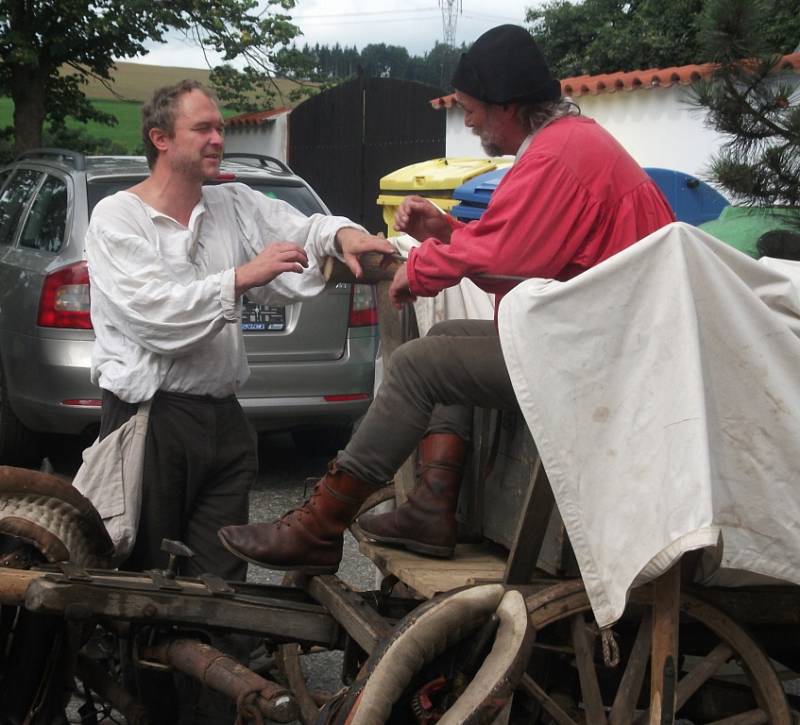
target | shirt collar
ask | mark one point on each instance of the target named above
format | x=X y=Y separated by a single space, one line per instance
x=153 y=213
x=523 y=147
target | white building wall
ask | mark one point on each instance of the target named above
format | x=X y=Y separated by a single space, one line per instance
x=656 y=126
x=269 y=138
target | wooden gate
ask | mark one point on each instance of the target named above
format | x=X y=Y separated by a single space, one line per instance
x=345 y=139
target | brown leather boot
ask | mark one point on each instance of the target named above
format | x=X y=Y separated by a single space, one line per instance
x=426 y=522
x=308 y=538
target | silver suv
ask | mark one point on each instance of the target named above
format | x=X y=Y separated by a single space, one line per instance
x=312 y=363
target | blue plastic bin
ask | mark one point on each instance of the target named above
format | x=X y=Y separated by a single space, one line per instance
x=692 y=200
x=474 y=195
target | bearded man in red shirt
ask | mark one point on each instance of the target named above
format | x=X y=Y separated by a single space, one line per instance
x=573 y=198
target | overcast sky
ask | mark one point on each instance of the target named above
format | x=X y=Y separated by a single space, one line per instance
x=414 y=24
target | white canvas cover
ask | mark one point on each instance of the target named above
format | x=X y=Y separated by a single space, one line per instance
x=662 y=388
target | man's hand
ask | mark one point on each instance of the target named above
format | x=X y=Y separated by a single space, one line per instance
x=419 y=218
x=399 y=291
x=353 y=242
x=271 y=261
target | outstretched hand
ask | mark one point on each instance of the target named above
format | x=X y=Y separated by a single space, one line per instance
x=271 y=261
x=419 y=218
x=353 y=242
x=399 y=291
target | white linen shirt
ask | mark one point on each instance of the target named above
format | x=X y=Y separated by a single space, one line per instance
x=163 y=305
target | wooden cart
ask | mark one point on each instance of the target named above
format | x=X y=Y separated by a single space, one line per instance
x=679 y=653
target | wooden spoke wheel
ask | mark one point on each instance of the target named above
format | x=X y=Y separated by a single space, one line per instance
x=722 y=675
x=289 y=665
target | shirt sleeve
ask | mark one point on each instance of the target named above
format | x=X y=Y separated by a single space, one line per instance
x=140 y=295
x=264 y=220
x=534 y=225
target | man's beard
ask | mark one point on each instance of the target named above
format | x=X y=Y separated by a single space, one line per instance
x=488 y=145
x=491 y=148
x=193 y=168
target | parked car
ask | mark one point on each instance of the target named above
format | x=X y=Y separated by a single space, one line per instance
x=312 y=363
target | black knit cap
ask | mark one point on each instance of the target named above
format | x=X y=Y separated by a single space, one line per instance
x=505 y=65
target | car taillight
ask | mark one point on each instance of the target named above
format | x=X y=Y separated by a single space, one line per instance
x=363 y=306
x=65 y=298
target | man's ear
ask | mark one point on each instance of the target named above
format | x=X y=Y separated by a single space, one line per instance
x=159 y=138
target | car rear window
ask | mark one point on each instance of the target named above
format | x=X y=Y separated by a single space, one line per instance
x=298 y=196
x=13 y=200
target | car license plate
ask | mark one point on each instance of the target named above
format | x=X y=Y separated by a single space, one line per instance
x=262 y=318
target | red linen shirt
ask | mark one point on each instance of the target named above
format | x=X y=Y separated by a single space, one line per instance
x=574 y=198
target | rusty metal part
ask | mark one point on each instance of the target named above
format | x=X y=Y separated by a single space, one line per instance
x=281 y=613
x=95 y=677
x=253 y=695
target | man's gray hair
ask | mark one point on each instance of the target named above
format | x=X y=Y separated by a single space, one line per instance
x=537 y=115
x=159 y=112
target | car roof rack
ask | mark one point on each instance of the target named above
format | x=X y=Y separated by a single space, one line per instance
x=76 y=158
x=264 y=161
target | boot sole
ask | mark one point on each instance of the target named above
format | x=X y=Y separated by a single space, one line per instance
x=440 y=552
x=313 y=570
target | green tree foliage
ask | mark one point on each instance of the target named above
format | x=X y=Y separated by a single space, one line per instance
x=604 y=36
x=753 y=104
x=39 y=37
x=324 y=64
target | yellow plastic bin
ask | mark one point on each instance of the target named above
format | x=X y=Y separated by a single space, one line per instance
x=435 y=179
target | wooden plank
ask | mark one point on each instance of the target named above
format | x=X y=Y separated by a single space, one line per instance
x=427 y=576
x=531 y=529
x=664 y=652
x=350 y=610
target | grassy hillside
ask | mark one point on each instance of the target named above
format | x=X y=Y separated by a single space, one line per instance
x=133 y=84
x=125 y=132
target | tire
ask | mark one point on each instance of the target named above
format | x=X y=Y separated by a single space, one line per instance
x=19 y=446
x=322 y=441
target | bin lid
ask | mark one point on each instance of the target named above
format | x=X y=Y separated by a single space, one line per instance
x=438 y=174
x=467 y=212
x=693 y=201
x=741 y=226
x=479 y=189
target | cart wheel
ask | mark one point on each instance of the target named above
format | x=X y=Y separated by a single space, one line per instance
x=288 y=661
x=42 y=519
x=723 y=674
x=288 y=656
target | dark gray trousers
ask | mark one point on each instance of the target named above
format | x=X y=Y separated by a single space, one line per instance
x=200 y=463
x=430 y=385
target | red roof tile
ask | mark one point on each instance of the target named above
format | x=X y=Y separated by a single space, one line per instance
x=256 y=118
x=635 y=80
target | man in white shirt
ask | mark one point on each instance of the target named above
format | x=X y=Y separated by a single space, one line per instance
x=169 y=260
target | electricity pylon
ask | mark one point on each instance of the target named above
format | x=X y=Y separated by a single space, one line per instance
x=451 y=9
